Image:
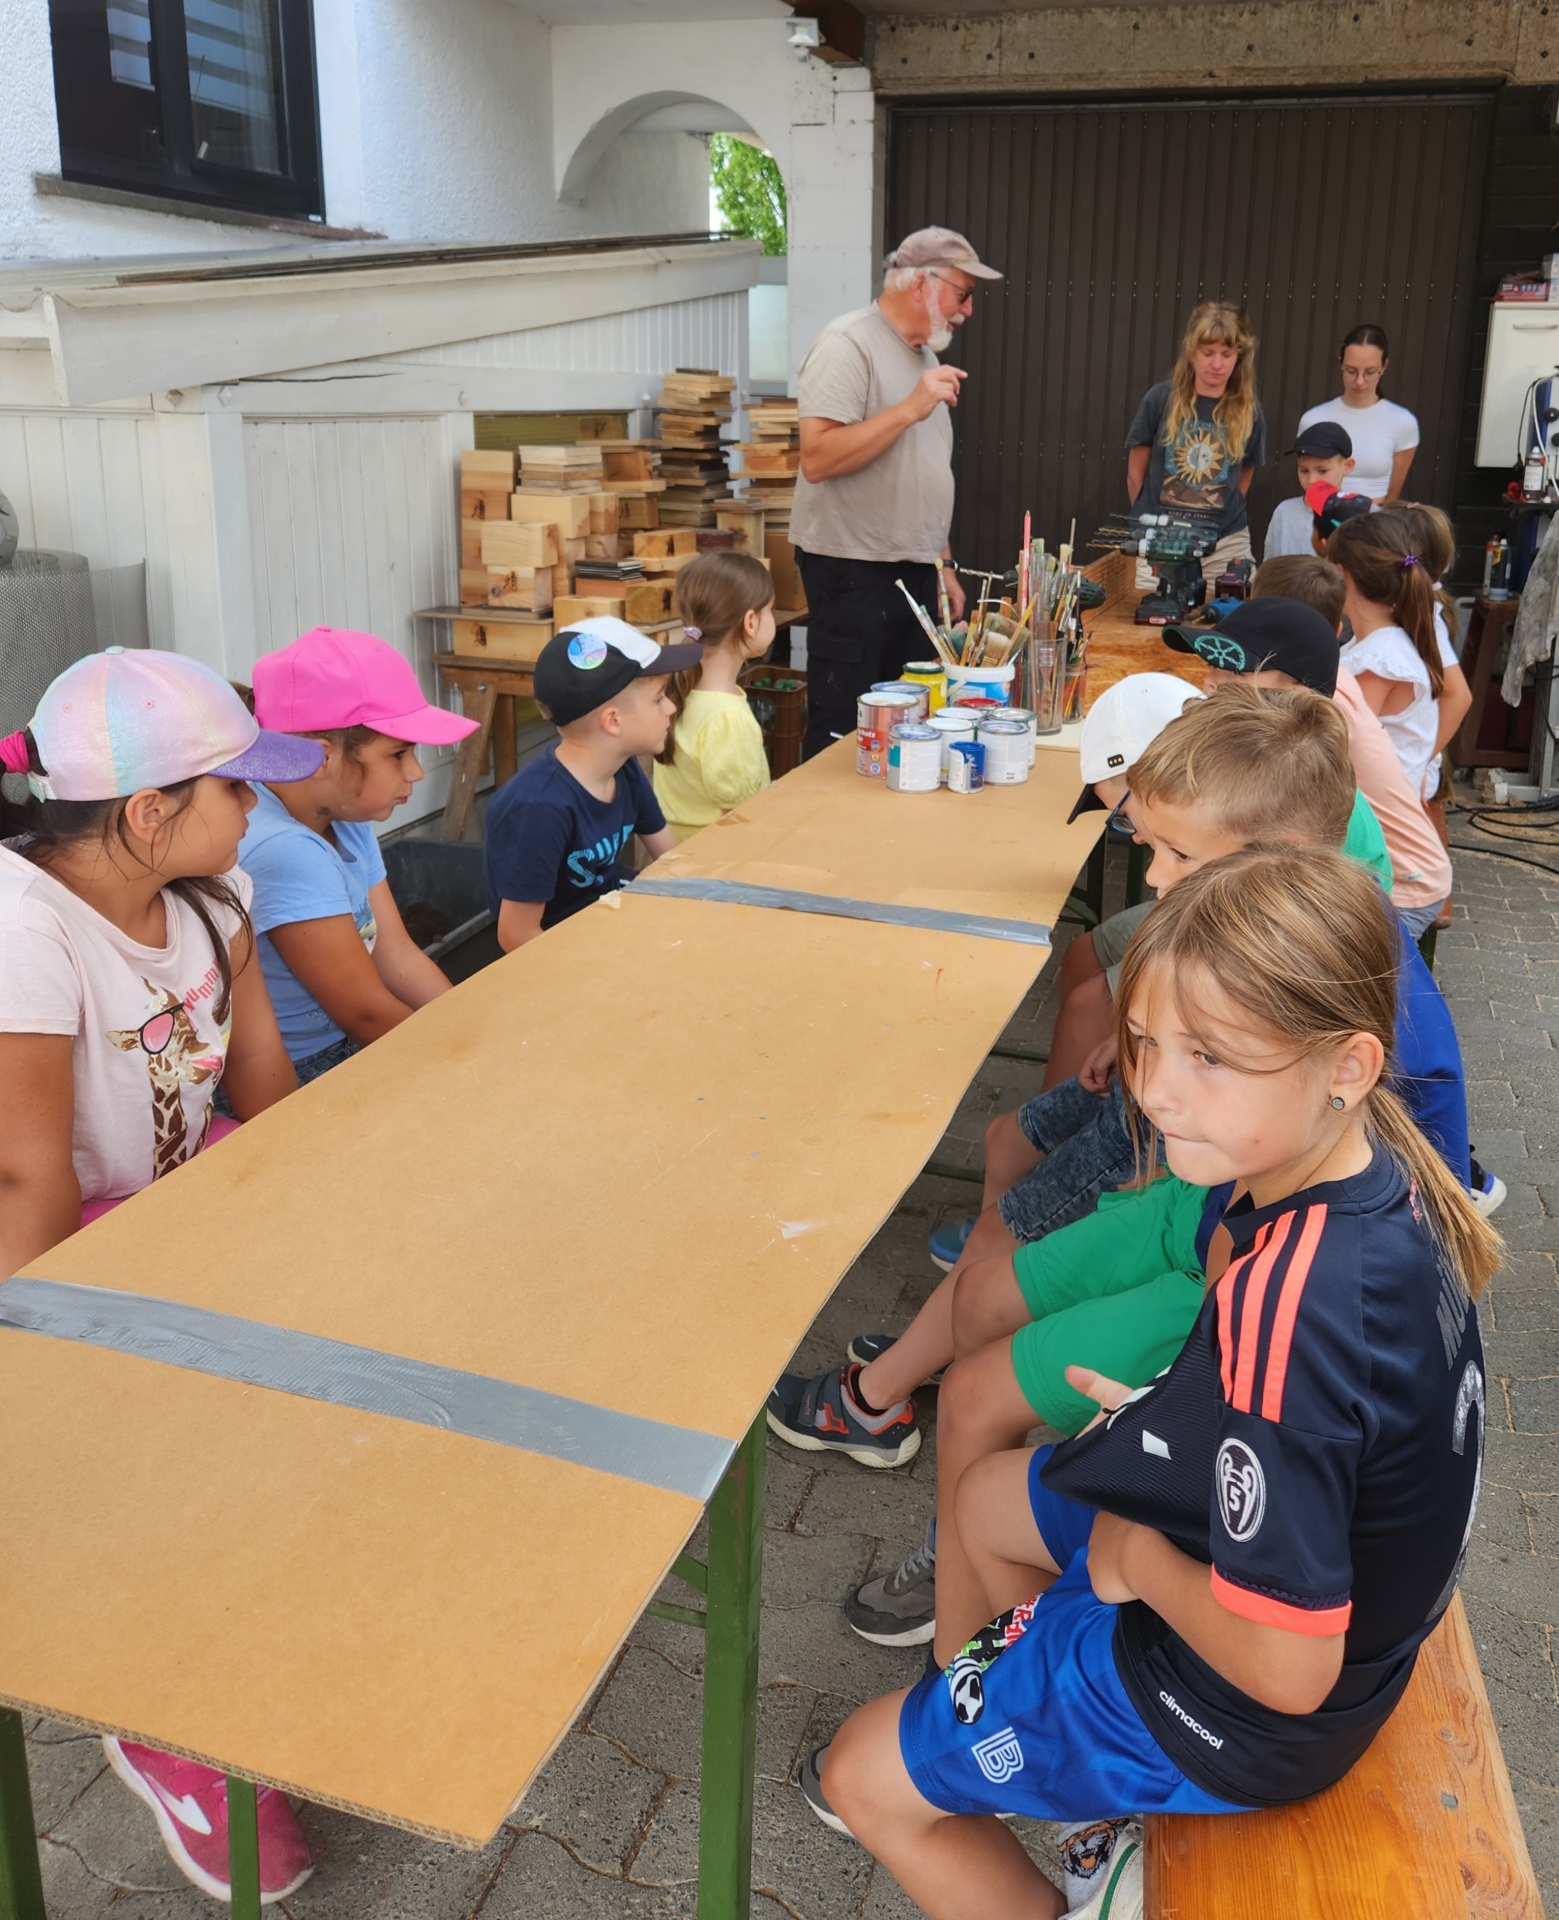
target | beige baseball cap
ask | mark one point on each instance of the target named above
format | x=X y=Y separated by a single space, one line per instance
x=939 y=247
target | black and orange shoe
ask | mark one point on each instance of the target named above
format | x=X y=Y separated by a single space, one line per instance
x=824 y=1416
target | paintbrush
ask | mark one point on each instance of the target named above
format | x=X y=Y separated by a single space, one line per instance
x=944 y=651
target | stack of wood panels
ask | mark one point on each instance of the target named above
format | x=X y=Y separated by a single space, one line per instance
x=695 y=403
x=771 y=458
x=632 y=473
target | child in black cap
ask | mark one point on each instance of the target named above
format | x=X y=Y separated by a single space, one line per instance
x=1324 y=452
x=556 y=832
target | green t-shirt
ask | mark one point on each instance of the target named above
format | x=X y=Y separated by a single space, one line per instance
x=1366 y=843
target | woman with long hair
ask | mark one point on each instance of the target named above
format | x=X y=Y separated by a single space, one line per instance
x=1384 y=435
x=1199 y=436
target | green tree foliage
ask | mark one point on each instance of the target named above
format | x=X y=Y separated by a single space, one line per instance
x=748 y=190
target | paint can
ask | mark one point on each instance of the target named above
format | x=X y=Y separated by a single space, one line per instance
x=932 y=674
x=1006 y=752
x=875 y=718
x=914 y=759
x=951 y=724
x=984 y=683
x=1030 y=726
x=966 y=768
x=918 y=691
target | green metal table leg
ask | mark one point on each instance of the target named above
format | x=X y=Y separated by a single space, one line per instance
x=21 y=1883
x=731 y=1684
x=243 y=1849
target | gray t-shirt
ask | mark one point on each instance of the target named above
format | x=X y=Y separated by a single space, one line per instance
x=1195 y=475
x=900 y=506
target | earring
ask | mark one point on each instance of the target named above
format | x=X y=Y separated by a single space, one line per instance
x=1338 y=1102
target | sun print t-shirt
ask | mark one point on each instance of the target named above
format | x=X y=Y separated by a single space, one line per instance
x=148 y=1050
x=1193 y=473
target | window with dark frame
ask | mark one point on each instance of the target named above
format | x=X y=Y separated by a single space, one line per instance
x=211 y=101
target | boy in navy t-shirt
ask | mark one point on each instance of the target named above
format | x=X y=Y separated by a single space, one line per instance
x=557 y=831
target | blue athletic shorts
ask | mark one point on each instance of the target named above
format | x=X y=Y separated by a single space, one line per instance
x=1031 y=1717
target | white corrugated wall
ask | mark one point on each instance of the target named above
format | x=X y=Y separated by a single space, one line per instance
x=711 y=332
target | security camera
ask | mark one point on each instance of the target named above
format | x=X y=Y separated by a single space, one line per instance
x=805 y=37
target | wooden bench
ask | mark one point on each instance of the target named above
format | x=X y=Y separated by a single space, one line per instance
x=1424 y=1828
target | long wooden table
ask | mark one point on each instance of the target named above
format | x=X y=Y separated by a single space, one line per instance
x=665 y=1129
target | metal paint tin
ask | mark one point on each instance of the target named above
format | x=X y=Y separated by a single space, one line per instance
x=1030 y=726
x=988 y=683
x=917 y=689
x=1006 y=752
x=932 y=674
x=914 y=759
x=875 y=718
x=949 y=725
x=966 y=768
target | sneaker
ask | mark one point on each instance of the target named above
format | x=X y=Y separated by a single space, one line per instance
x=809 y=1777
x=898 y=1609
x=1488 y=1190
x=867 y=1347
x=1085 y=1849
x=823 y=1415
x=1120 y=1895
x=947 y=1243
x=189 y=1804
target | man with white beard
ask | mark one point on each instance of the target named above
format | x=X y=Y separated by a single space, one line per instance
x=874 y=500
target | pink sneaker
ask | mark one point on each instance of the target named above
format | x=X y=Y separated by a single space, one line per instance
x=190 y=1805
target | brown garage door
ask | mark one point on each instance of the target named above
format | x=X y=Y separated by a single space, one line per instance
x=1112 y=220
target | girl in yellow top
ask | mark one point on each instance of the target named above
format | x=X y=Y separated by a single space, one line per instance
x=713 y=758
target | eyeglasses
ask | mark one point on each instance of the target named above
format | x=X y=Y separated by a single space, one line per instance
x=155 y=1033
x=965 y=294
x=1119 y=821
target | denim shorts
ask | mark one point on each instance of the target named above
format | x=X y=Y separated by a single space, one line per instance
x=325 y=1059
x=1418 y=920
x=1088 y=1150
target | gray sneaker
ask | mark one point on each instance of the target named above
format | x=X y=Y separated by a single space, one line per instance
x=898 y=1609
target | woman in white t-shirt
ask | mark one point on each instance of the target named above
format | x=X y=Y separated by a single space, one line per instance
x=1393 y=654
x=128 y=990
x=1384 y=435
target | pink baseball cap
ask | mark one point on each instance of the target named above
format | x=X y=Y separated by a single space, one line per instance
x=331 y=677
x=118 y=721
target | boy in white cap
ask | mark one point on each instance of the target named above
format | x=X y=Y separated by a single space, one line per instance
x=874 y=498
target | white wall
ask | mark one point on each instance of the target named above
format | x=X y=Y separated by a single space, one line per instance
x=816 y=119
x=436 y=124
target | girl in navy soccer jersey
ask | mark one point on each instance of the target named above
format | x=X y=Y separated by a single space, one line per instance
x=1236 y=1566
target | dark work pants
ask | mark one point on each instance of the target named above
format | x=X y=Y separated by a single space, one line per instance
x=859 y=630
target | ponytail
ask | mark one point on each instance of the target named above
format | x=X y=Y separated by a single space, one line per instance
x=1470 y=1245
x=714 y=595
x=1377 y=553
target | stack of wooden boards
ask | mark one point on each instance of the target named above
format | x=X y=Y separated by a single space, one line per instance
x=695 y=404
x=771 y=458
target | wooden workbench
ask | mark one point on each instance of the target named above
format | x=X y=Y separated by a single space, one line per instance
x=1117 y=646
x=663 y=1130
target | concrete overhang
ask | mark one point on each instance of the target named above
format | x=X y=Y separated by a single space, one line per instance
x=113 y=330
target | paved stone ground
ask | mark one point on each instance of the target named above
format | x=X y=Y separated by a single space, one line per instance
x=610 y=1829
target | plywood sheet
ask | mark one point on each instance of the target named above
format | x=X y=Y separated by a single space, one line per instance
x=827 y=829
x=660 y=1132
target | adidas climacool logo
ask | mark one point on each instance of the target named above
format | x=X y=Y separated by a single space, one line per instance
x=1174 y=1706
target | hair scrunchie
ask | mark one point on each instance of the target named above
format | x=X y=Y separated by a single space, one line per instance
x=694 y=633
x=1408 y=561
x=14 y=756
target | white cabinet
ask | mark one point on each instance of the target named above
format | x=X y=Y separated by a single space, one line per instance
x=1523 y=347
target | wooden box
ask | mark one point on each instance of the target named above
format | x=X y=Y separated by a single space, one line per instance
x=568 y=512
x=474 y=585
x=471 y=541
x=507 y=640
x=485 y=471
x=629 y=462
x=529 y=588
x=746 y=522
x=789 y=594
x=642 y=603
x=604 y=515
x=483 y=504
x=518 y=543
x=603 y=546
x=636 y=511
x=666 y=540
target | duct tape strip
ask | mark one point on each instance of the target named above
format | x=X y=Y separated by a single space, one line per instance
x=740 y=893
x=677 y=1459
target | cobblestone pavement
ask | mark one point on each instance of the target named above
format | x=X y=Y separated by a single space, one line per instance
x=610 y=1828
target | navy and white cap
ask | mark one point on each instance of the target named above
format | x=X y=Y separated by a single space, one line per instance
x=1323 y=440
x=591 y=662
x=1122 y=724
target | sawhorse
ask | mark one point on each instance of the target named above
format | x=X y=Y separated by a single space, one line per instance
x=731 y=1581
